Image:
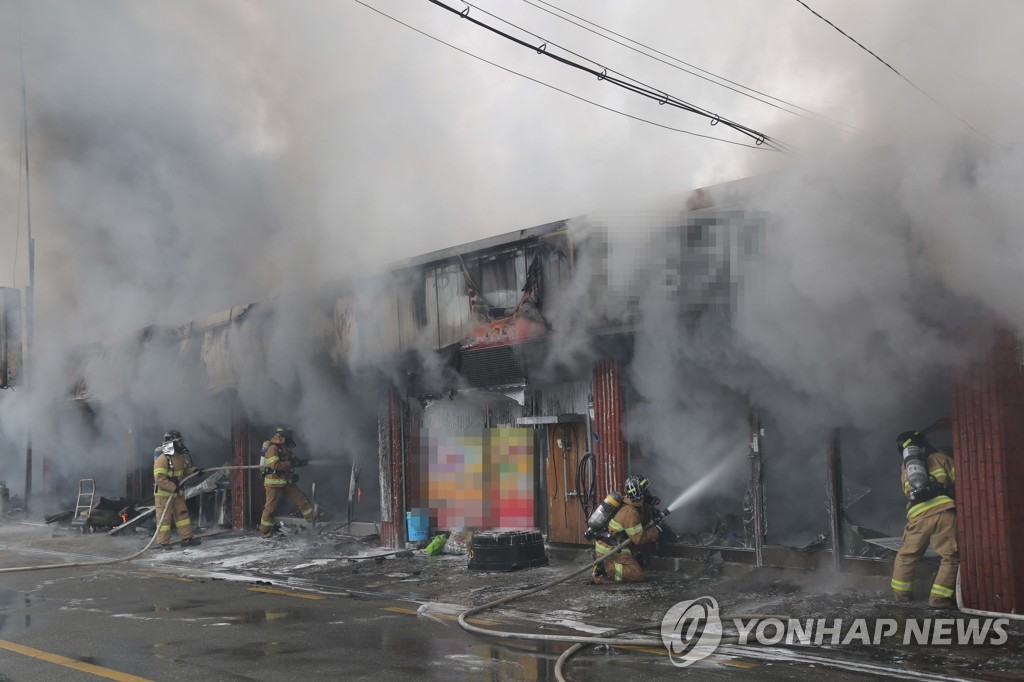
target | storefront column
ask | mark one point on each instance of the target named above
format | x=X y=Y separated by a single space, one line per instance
x=609 y=411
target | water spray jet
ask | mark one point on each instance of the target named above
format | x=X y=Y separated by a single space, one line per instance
x=699 y=486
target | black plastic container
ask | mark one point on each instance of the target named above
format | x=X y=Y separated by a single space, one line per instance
x=507 y=551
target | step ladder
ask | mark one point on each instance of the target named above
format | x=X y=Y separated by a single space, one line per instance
x=86 y=499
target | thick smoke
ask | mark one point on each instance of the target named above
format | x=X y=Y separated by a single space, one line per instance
x=187 y=158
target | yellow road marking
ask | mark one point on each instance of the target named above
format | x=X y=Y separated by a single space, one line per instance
x=736 y=664
x=164 y=576
x=71 y=663
x=442 y=616
x=401 y=609
x=285 y=593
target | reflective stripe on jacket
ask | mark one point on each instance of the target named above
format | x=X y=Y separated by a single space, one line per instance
x=177 y=465
x=628 y=520
x=277 y=458
x=940 y=467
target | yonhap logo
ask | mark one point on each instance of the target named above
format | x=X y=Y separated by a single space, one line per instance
x=691 y=630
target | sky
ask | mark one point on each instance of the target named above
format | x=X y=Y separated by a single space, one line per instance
x=187 y=157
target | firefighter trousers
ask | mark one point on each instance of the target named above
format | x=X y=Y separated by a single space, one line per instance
x=275 y=494
x=939 y=530
x=177 y=516
x=623 y=569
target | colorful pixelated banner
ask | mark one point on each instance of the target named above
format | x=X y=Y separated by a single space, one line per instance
x=481 y=479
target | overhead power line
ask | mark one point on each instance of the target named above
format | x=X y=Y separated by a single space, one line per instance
x=893 y=69
x=565 y=92
x=813 y=114
x=636 y=87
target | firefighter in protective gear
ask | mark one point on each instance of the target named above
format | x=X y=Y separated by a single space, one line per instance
x=280 y=478
x=170 y=466
x=627 y=523
x=929 y=484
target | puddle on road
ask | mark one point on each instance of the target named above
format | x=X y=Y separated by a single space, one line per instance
x=179 y=606
x=256 y=616
x=15 y=610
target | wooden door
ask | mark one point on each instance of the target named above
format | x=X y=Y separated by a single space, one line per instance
x=567 y=444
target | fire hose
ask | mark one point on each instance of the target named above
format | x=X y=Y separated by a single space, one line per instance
x=105 y=562
x=607 y=638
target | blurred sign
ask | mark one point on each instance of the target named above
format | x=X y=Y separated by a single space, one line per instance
x=10 y=337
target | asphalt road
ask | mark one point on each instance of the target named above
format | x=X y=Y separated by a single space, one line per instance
x=167 y=621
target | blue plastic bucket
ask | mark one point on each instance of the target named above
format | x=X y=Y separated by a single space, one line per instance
x=418 y=522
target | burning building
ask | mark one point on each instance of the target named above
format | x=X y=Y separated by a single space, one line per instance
x=511 y=382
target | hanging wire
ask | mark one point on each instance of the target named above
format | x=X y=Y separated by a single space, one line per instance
x=813 y=114
x=893 y=69
x=565 y=92
x=635 y=86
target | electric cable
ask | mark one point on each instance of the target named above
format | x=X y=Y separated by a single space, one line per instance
x=814 y=115
x=641 y=89
x=893 y=69
x=105 y=562
x=565 y=92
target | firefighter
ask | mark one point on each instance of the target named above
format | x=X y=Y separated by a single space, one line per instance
x=279 y=479
x=929 y=484
x=627 y=523
x=170 y=466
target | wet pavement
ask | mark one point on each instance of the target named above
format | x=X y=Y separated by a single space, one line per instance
x=326 y=606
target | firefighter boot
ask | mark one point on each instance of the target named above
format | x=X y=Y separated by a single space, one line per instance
x=166 y=546
x=901 y=597
x=190 y=542
x=941 y=603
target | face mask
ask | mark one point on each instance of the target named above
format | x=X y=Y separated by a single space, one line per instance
x=168 y=448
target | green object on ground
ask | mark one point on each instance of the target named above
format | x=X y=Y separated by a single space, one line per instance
x=436 y=545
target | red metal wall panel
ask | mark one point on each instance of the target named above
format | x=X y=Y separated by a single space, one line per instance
x=988 y=431
x=609 y=411
x=242 y=487
x=392 y=533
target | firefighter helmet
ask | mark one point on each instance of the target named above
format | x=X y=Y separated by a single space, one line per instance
x=172 y=435
x=908 y=438
x=286 y=435
x=636 y=487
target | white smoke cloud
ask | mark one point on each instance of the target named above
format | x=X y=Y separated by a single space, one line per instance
x=187 y=158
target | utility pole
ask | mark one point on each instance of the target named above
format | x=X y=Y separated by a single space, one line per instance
x=29 y=293
x=757 y=483
x=834 y=492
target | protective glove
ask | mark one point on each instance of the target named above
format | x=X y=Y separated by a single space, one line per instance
x=294 y=478
x=299 y=462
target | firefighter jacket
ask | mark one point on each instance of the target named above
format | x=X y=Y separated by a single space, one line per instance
x=279 y=461
x=627 y=523
x=940 y=467
x=168 y=470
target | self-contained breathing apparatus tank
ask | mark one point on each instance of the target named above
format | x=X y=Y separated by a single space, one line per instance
x=604 y=513
x=264 y=469
x=917 y=470
x=923 y=485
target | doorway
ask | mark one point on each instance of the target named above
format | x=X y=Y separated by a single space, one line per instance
x=566 y=446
